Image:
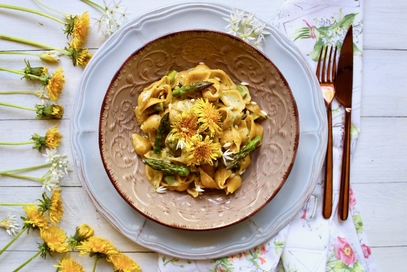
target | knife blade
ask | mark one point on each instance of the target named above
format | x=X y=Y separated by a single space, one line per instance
x=344 y=87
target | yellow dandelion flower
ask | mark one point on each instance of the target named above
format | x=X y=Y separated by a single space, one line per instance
x=35 y=218
x=53 y=137
x=78 y=27
x=97 y=246
x=84 y=57
x=55 y=238
x=69 y=265
x=55 y=84
x=56 y=209
x=185 y=125
x=123 y=263
x=202 y=150
x=209 y=117
x=57 y=111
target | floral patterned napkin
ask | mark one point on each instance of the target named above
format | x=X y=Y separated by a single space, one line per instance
x=310 y=242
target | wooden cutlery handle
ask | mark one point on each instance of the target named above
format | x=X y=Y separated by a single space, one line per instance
x=343 y=207
x=327 y=203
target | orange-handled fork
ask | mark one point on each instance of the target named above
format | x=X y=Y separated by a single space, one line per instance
x=326 y=73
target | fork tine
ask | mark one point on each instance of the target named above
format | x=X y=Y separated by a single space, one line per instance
x=324 y=74
x=329 y=74
x=334 y=66
x=318 y=71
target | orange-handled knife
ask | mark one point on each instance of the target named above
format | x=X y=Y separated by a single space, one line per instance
x=344 y=87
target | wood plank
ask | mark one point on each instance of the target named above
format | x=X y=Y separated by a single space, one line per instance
x=383 y=211
x=384 y=76
x=390 y=258
x=381 y=151
x=384 y=22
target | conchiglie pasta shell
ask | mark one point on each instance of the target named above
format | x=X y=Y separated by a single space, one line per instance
x=150 y=126
x=207 y=181
x=212 y=93
x=233 y=99
x=154 y=176
x=231 y=139
x=141 y=144
x=255 y=109
x=244 y=164
x=251 y=127
x=182 y=183
x=221 y=176
x=232 y=184
x=226 y=117
x=225 y=82
x=259 y=130
x=196 y=76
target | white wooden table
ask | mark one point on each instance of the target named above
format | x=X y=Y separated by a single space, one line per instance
x=379 y=172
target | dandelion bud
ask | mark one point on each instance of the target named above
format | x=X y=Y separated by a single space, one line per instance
x=34 y=71
x=84 y=232
x=53 y=111
x=50 y=56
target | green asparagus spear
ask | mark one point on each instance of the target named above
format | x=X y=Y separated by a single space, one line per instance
x=171 y=75
x=167 y=167
x=242 y=89
x=238 y=157
x=194 y=87
x=163 y=128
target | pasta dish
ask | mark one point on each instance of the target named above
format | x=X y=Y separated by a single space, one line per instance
x=198 y=130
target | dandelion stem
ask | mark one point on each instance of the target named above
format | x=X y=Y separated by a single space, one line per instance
x=18 y=204
x=26 y=262
x=20 y=176
x=16 y=106
x=36 y=44
x=18 y=53
x=27 y=168
x=20 y=72
x=21 y=92
x=17 y=143
x=94 y=4
x=95 y=263
x=54 y=10
x=32 y=11
x=12 y=240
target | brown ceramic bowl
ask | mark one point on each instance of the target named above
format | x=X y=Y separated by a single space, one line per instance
x=271 y=162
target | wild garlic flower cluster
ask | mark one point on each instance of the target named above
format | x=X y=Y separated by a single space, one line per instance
x=245 y=26
x=58 y=170
x=113 y=16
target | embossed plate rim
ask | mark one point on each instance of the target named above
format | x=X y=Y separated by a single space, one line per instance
x=186 y=244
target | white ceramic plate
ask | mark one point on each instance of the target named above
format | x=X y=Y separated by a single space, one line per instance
x=180 y=243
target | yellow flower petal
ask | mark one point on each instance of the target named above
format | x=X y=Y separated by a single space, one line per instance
x=35 y=218
x=209 y=117
x=123 y=263
x=55 y=84
x=202 y=150
x=69 y=265
x=97 y=245
x=53 y=137
x=55 y=239
x=80 y=30
x=56 y=209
